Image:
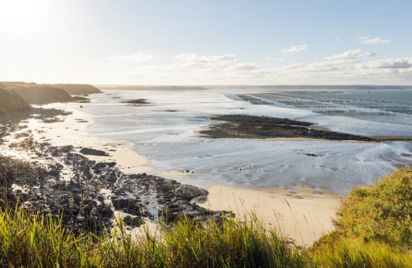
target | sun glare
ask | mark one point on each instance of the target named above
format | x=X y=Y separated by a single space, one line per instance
x=22 y=16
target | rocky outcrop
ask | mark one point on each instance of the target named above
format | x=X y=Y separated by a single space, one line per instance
x=78 y=89
x=10 y=102
x=137 y=102
x=86 y=193
x=90 y=151
x=263 y=127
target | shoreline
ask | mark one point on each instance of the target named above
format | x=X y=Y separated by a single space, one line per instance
x=299 y=215
x=72 y=130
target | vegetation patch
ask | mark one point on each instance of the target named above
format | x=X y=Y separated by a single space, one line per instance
x=372 y=230
x=381 y=212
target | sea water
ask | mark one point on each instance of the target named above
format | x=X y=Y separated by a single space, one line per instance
x=166 y=131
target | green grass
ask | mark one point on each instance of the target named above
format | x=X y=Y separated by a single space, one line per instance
x=373 y=230
x=344 y=252
x=381 y=212
x=373 y=227
x=35 y=241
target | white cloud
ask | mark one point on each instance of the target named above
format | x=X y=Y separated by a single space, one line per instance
x=193 y=58
x=397 y=64
x=295 y=49
x=275 y=59
x=344 y=62
x=373 y=40
x=243 y=67
x=132 y=58
x=352 y=66
x=350 y=55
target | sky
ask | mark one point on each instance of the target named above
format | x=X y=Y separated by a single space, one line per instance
x=213 y=42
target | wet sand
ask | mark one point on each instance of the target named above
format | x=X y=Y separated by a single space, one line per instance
x=72 y=131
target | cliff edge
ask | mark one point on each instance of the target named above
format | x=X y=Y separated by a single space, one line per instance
x=11 y=102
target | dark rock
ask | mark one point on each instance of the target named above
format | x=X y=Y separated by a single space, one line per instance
x=128 y=205
x=89 y=151
x=137 y=101
x=80 y=202
x=132 y=221
x=261 y=127
x=102 y=165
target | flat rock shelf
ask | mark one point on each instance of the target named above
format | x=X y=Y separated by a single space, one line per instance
x=262 y=127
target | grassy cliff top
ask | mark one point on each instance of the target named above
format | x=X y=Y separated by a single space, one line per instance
x=45 y=93
x=11 y=102
x=78 y=89
x=381 y=212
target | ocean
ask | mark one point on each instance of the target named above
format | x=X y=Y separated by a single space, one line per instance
x=166 y=132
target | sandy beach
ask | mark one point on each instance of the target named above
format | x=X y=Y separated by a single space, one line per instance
x=303 y=215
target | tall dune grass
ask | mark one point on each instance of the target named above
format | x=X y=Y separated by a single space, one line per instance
x=35 y=241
